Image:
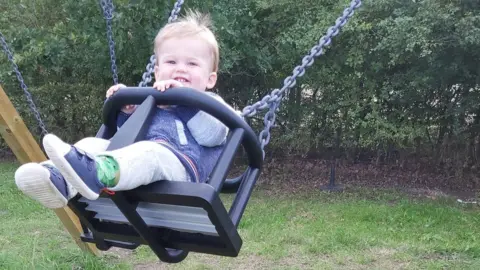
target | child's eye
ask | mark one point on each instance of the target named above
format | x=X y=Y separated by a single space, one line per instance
x=192 y=64
x=170 y=62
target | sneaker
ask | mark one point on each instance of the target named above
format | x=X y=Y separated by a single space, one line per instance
x=77 y=166
x=45 y=184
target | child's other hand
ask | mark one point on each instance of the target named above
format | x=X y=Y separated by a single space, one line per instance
x=114 y=89
x=164 y=85
x=127 y=108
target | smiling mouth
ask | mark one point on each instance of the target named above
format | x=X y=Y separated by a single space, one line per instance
x=182 y=80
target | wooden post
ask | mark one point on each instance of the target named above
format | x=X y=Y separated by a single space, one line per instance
x=26 y=149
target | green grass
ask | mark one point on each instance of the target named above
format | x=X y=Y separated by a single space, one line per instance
x=360 y=229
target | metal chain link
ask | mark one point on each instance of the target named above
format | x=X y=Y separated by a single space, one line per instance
x=31 y=104
x=175 y=11
x=147 y=75
x=107 y=7
x=273 y=100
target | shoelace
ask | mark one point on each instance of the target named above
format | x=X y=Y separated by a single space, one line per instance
x=88 y=158
x=54 y=171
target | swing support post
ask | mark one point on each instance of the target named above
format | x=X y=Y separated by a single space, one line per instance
x=26 y=149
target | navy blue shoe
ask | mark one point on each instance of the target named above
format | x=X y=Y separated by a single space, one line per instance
x=45 y=184
x=77 y=166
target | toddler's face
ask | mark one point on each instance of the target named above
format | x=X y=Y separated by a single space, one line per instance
x=188 y=60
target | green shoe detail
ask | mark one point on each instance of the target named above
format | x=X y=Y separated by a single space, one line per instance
x=108 y=171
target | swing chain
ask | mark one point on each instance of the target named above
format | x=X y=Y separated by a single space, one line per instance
x=31 y=104
x=268 y=122
x=175 y=11
x=274 y=98
x=147 y=76
x=107 y=7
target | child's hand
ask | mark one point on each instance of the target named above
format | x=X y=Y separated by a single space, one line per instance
x=164 y=85
x=127 y=108
x=114 y=89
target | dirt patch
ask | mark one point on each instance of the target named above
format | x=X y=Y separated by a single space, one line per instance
x=118 y=253
x=377 y=258
x=299 y=176
x=204 y=261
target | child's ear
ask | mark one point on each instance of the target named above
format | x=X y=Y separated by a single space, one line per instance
x=212 y=80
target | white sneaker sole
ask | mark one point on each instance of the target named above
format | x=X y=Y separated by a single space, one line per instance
x=56 y=150
x=34 y=181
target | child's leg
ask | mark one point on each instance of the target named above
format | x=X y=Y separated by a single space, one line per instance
x=143 y=163
x=127 y=168
x=44 y=183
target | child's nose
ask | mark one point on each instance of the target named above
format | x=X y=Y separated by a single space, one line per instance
x=181 y=67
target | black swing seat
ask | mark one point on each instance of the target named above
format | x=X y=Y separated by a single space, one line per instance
x=173 y=218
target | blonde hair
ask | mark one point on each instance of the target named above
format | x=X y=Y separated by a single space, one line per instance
x=192 y=24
